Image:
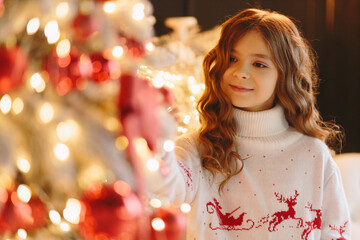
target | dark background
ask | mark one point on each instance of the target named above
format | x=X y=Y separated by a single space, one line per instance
x=331 y=26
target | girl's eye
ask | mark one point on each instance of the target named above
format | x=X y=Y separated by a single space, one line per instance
x=260 y=65
x=232 y=59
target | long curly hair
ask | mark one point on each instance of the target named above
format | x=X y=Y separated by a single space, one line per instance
x=295 y=91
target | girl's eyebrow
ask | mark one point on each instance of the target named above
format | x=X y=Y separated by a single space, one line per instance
x=259 y=55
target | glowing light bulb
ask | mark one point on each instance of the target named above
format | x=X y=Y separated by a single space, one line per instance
x=18 y=105
x=158 y=224
x=54 y=217
x=111 y=123
x=153 y=164
x=141 y=147
x=118 y=51
x=138 y=12
x=46 y=113
x=24 y=193
x=109 y=7
x=187 y=119
x=62 y=9
x=22 y=233
x=61 y=151
x=150 y=46
x=33 y=26
x=23 y=165
x=155 y=203
x=65 y=226
x=185 y=207
x=63 y=48
x=72 y=211
x=121 y=143
x=5 y=104
x=169 y=145
x=66 y=130
x=51 y=31
x=35 y=80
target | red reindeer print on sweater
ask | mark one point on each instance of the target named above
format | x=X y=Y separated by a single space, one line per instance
x=312 y=225
x=227 y=221
x=188 y=174
x=340 y=230
x=281 y=216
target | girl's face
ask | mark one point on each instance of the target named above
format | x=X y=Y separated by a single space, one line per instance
x=251 y=77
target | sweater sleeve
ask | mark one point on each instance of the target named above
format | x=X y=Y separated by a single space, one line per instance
x=177 y=182
x=336 y=218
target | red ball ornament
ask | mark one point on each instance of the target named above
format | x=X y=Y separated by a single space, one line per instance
x=110 y=212
x=14 y=63
x=103 y=69
x=84 y=26
x=18 y=214
x=175 y=223
x=67 y=73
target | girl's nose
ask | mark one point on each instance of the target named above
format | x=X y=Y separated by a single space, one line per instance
x=241 y=72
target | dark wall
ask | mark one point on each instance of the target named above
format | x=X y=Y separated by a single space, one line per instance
x=331 y=26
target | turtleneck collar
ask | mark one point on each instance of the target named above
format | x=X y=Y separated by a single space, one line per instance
x=261 y=124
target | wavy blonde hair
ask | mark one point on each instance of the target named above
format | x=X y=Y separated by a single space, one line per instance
x=295 y=91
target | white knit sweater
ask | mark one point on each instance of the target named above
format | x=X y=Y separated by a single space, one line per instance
x=289 y=188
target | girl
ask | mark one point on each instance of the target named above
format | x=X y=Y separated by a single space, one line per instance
x=258 y=167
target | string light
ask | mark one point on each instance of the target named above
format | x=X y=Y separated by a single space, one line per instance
x=65 y=226
x=169 y=145
x=22 y=233
x=63 y=48
x=33 y=26
x=5 y=104
x=61 y=151
x=150 y=46
x=24 y=193
x=46 y=112
x=51 y=31
x=153 y=164
x=67 y=130
x=155 y=203
x=23 y=165
x=18 y=105
x=72 y=211
x=109 y=7
x=55 y=217
x=62 y=10
x=158 y=224
x=185 y=207
x=118 y=51
x=138 y=12
x=121 y=143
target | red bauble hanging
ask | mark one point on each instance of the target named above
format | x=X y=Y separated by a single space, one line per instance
x=14 y=63
x=18 y=214
x=85 y=25
x=175 y=223
x=110 y=212
x=67 y=73
x=103 y=69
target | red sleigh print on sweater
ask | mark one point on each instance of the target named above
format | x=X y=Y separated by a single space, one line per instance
x=281 y=216
x=340 y=230
x=312 y=225
x=227 y=221
x=188 y=174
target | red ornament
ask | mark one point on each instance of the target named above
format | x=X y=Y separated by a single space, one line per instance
x=14 y=63
x=84 y=26
x=67 y=73
x=110 y=212
x=138 y=103
x=175 y=223
x=102 y=68
x=18 y=214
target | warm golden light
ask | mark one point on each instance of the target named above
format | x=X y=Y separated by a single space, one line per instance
x=33 y=26
x=150 y=46
x=169 y=145
x=118 y=51
x=141 y=147
x=22 y=233
x=18 y=105
x=51 y=31
x=67 y=130
x=63 y=48
x=155 y=203
x=138 y=12
x=35 y=80
x=61 y=151
x=111 y=123
x=109 y=7
x=55 y=217
x=65 y=226
x=185 y=207
x=23 y=165
x=46 y=113
x=62 y=9
x=153 y=164
x=121 y=143
x=72 y=210
x=158 y=224
x=5 y=104
x=24 y=193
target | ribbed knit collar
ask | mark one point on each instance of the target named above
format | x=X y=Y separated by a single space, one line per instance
x=261 y=124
